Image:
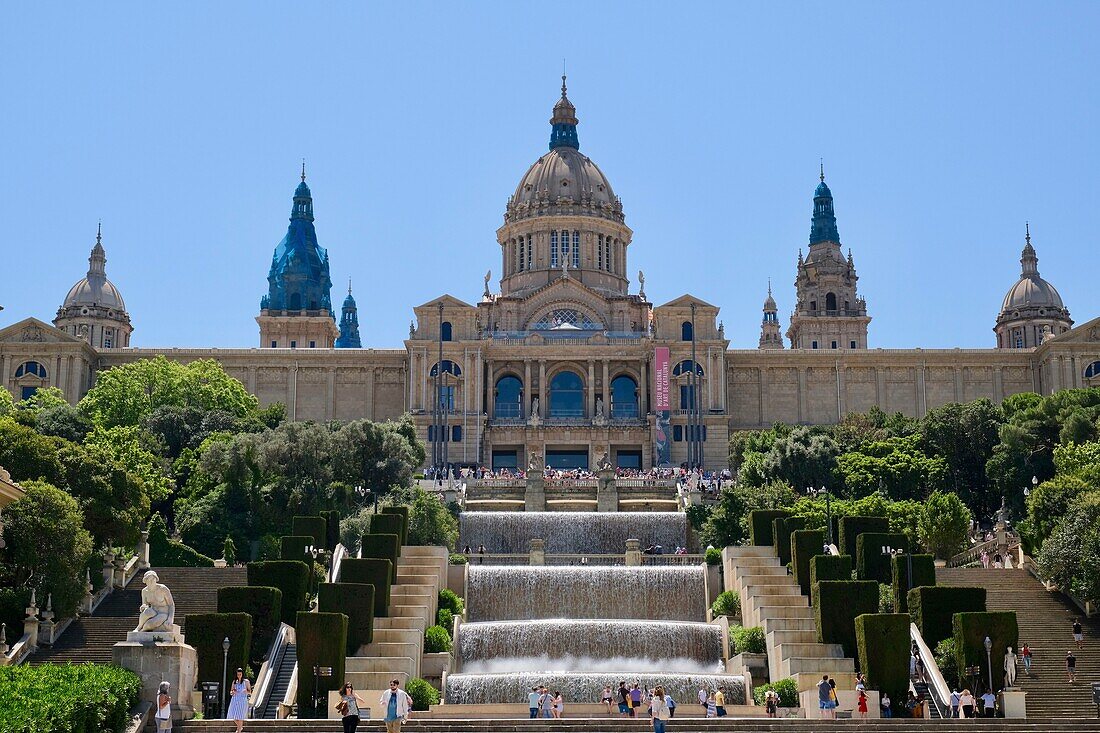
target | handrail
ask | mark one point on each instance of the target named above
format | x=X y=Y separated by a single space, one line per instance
x=338 y=556
x=937 y=685
x=287 y=704
x=971 y=554
x=270 y=668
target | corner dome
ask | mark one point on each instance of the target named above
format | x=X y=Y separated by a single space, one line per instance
x=822 y=190
x=95 y=289
x=1032 y=292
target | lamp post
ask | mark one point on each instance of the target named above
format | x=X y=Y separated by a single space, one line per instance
x=225 y=670
x=311 y=554
x=318 y=672
x=811 y=491
x=989 y=659
x=898 y=551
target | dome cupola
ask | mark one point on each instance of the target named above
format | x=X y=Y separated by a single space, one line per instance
x=93 y=308
x=1031 y=306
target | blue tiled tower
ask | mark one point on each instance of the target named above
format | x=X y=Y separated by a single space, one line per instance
x=349 y=324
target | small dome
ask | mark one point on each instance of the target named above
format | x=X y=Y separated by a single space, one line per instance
x=349 y=302
x=564 y=172
x=1032 y=292
x=769 y=304
x=102 y=293
x=822 y=190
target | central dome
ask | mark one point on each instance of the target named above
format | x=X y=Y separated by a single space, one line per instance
x=94 y=289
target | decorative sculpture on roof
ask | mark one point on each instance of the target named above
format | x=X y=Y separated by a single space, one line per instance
x=488 y=276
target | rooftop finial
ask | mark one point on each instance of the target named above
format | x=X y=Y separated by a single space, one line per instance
x=349 y=286
x=99 y=232
x=563 y=77
x=769 y=287
x=303 y=170
x=821 y=169
x=1027 y=231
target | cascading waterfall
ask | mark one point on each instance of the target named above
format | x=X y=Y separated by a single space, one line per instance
x=513 y=687
x=619 y=592
x=572 y=532
x=501 y=646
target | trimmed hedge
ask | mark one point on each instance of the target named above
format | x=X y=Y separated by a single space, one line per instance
x=933 y=609
x=782 y=528
x=436 y=639
x=315 y=527
x=828 y=567
x=289 y=576
x=401 y=510
x=449 y=599
x=422 y=694
x=370 y=571
x=871 y=564
x=852 y=527
x=205 y=632
x=748 y=640
x=970 y=631
x=924 y=574
x=760 y=526
x=384 y=547
x=293 y=547
x=839 y=602
x=263 y=603
x=76 y=698
x=332 y=529
x=883 y=643
x=322 y=642
x=787 y=689
x=805 y=545
x=354 y=600
x=389 y=524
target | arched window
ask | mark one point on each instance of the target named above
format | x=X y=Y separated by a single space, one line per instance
x=508 y=400
x=624 y=397
x=686 y=331
x=449 y=367
x=445 y=330
x=684 y=368
x=1092 y=371
x=830 y=301
x=566 y=395
x=30 y=369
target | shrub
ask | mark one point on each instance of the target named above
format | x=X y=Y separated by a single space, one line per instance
x=885 y=599
x=748 y=640
x=322 y=642
x=871 y=564
x=263 y=603
x=933 y=609
x=445 y=619
x=805 y=545
x=924 y=574
x=169 y=553
x=436 y=639
x=229 y=551
x=332 y=529
x=828 y=567
x=353 y=528
x=883 y=643
x=84 y=698
x=944 y=522
x=970 y=632
x=315 y=527
x=449 y=599
x=728 y=603
x=787 y=689
x=206 y=631
x=782 y=528
x=761 y=527
x=852 y=527
x=384 y=547
x=713 y=556
x=370 y=571
x=354 y=600
x=838 y=604
x=430 y=522
x=458 y=559
x=289 y=576
x=293 y=547
x=388 y=524
x=422 y=694
x=401 y=510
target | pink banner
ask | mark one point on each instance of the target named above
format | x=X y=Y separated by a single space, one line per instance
x=661 y=379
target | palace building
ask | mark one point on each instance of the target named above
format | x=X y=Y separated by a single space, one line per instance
x=565 y=359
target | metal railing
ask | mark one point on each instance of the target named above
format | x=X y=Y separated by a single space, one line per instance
x=937 y=685
x=338 y=556
x=269 y=671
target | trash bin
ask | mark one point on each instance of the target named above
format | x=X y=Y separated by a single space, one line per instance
x=211 y=702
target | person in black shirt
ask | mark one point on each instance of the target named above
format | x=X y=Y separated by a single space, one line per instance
x=1071 y=666
x=1078 y=634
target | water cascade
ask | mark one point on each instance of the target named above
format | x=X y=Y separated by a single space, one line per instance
x=513 y=687
x=572 y=532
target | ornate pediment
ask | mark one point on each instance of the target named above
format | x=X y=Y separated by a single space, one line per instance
x=1086 y=333
x=34 y=331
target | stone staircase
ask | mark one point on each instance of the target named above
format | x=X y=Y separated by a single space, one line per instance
x=1045 y=620
x=771 y=599
x=626 y=725
x=90 y=638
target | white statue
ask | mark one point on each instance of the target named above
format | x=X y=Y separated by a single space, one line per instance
x=488 y=275
x=641 y=284
x=158 y=609
x=535 y=407
x=1010 y=668
x=599 y=406
x=534 y=462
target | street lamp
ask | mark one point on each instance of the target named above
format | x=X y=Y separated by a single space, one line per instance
x=363 y=492
x=989 y=659
x=225 y=669
x=311 y=554
x=319 y=672
x=898 y=552
x=811 y=491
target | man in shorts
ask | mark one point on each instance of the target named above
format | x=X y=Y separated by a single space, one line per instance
x=825 y=698
x=624 y=700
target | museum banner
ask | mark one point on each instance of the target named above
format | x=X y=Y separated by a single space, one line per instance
x=662 y=452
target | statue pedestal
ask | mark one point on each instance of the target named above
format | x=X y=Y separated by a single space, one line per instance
x=534 y=498
x=171 y=635
x=1013 y=704
x=161 y=661
x=607 y=492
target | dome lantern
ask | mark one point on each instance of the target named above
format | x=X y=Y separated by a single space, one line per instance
x=564 y=123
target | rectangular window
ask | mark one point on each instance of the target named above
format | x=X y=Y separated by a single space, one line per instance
x=530 y=252
x=599 y=252
x=834 y=344
x=677 y=433
x=447 y=398
x=522 y=254
x=576 y=249
x=456 y=434
x=565 y=245
x=814 y=345
x=852 y=345
x=687 y=397
x=313 y=344
x=553 y=249
x=293 y=344
x=274 y=344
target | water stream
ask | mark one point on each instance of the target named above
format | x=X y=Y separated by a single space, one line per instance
x=572 y=532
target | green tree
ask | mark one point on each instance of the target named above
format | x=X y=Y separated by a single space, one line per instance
x=26 y=454
x=743 y=442
x=47 y=546
x=895 y=466
x=113 y=500
x=944 y=524
x=376 y=455
x=1081 y=460
x=728 y=523
x=63 y=421
x=127 y=394
x=804 y=458
x=429 y=521
x=43 y=398
x=132 y=448
x=1071 y=554
x=1049 y=503
x=965 y=435
x=7 y=404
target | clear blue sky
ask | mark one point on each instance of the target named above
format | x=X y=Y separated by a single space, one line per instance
x=942 y=128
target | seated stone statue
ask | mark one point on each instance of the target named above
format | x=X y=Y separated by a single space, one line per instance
x=158 y=609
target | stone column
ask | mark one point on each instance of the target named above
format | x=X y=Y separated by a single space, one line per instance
x=30 y=624
x=998 y=384
x=606 y=390
x=880 y=388
x=633 y=552
x=61 y=377
x=958 y=385
x=537 y=554
x=6 y=376
x=492 y=406
x=763 y=406
x=252 y=380
x=643 y=391
x=369 y=389
x=526 y=392
x=544 y=393
x=330 y=406
x=591 y=391
x=534 y=497
x=410 y=375
x=801 y=394
x=142 y=550
x=607 y=491
x=109 y=567
x=922 y=392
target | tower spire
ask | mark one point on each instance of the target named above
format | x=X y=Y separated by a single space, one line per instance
x=349 y=286
x=823 y=228
x=821 y=169
x=303 y=170
x=564 y=122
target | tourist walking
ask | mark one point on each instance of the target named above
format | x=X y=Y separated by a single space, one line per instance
x=164 y=708
x=861 y=705
x=712 y=710
x=966 y=704
x=919 y=664
x=955 y=695
x=989 y=704
x=1078 y=635
x=771 y=703
x=1071 y=666
x=606 y=699
x=702 y=697
x=720 y=702
x=546 y=702
x=239 y=690
x=624 y=700
x=671 y=706
x=396 y=702
x=658 y=709
x=559 y=705
x=1026 y=654
x=348 y=707
x=635 y=700
x=825 y=697
x=533 y=702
